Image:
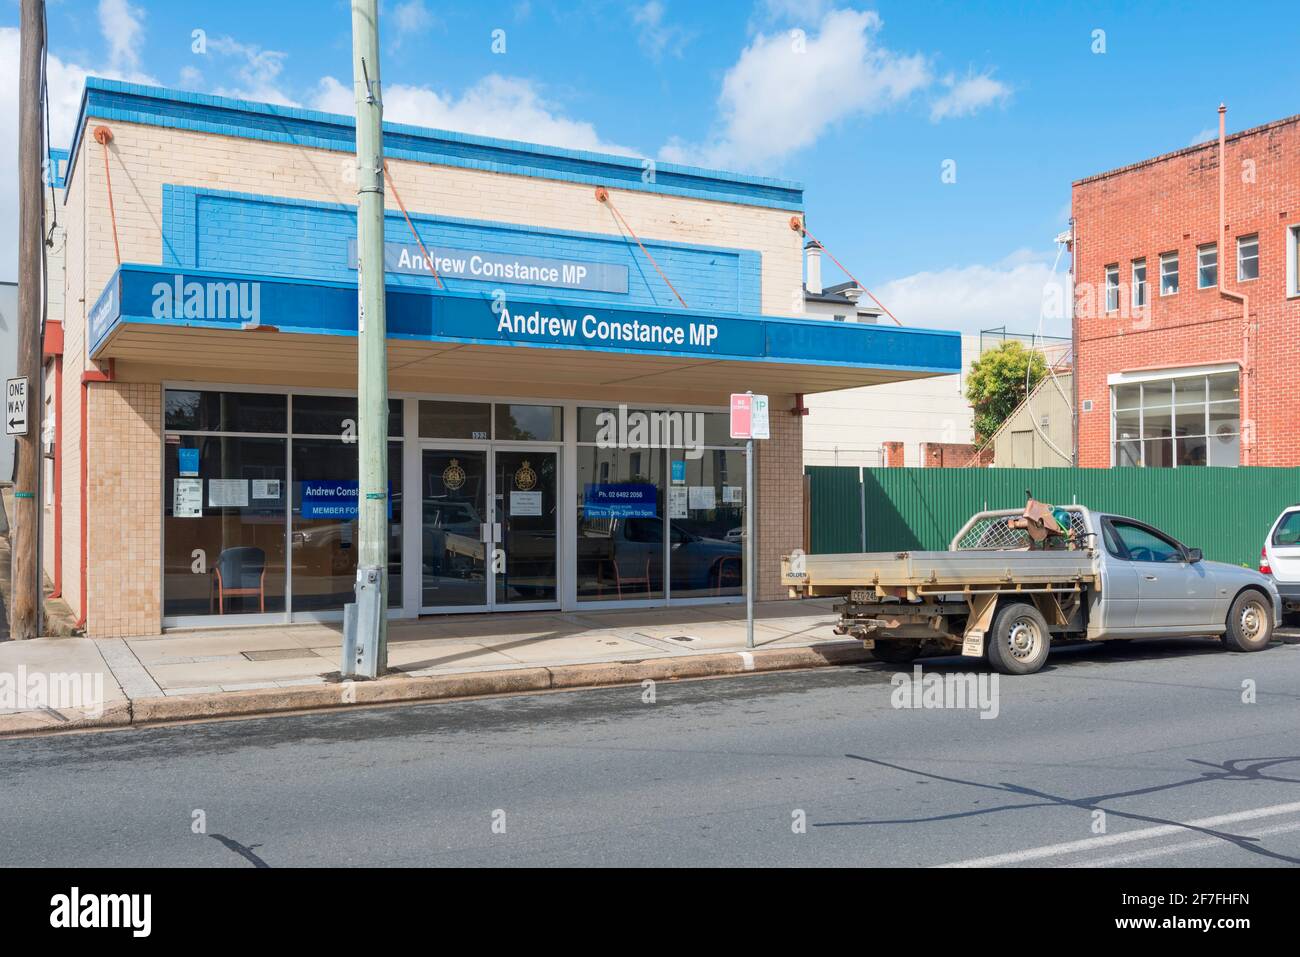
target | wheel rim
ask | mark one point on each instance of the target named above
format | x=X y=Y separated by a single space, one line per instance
x=1024 y=639
x=1252 y=621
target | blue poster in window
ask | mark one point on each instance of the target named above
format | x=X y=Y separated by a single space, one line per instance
x=624 y=500
x=336 y=500
x=188 y=460
x=679 y=470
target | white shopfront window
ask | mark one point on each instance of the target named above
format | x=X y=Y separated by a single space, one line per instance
x=1175 y=418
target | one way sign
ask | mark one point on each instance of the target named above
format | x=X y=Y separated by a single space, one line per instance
x=16 y=406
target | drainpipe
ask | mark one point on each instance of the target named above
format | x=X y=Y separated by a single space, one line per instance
x=1248 y=431
x=53 y=352
x=87 y=377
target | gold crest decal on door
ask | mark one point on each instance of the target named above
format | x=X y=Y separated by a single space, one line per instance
x=453 y=476
x=525 y=477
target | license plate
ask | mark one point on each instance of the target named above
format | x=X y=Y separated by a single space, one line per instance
x=861 y=596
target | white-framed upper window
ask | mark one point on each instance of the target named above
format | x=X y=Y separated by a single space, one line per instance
x=1247 y=257
x=1112 y=288
x=1293 y=260
x=1207 y=266
x=1168 y=273
x=1139 y=283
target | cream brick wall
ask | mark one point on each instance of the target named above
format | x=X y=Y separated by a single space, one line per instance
x=124 y=583
x=780 y=497
x=124 y=485
x=144 y=158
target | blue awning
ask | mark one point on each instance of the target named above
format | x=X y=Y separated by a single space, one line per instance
x=153 y=296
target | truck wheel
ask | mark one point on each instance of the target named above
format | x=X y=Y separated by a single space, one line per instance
x=894 y=652
x=1019 y=640
x=1250 y=623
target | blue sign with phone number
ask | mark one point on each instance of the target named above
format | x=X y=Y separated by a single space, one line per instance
x=627 y=500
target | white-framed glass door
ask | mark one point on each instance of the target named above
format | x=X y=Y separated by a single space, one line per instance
x=489 y=527
x=526 y=524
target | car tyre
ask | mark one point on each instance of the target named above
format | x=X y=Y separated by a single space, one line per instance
x=1019 y=640
x=1250 y=623
x=895 y=652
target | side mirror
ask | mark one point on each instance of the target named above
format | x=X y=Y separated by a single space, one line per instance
x=1195 y=555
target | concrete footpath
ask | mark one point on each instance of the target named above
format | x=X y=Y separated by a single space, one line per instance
x=63 y=684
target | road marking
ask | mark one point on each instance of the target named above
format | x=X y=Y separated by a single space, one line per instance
x=748 y=659
x=1125 y=860
x=1125 y=837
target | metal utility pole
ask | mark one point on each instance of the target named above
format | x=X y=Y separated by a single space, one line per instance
x=24 y=616
x=365 y=646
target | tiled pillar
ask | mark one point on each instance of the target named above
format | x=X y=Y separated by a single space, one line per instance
x=124 y=505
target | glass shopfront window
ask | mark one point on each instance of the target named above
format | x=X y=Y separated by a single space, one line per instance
x=707 y=524
x=232 y=501
x=455 y=420
x=620 y=526
x=223 y=525
x=659 y=522
x=324 y=532
x=261 y=505
x=1178 y=421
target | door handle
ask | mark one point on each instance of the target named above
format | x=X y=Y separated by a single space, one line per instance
x=485 y=532
x=496 y=531
x=1151 y=578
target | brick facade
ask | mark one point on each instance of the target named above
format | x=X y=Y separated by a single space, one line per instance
x=780 y=497
x=1171 y=203
x=149 y=163
x=124 y=495
x=954 y=455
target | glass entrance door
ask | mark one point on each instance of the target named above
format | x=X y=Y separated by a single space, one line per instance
x=527 y=514
x=489 y=528
x=455 y=529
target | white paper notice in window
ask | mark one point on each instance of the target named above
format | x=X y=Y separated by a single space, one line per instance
x=227 y=493
x=266 y=488
x=525 y=503
x=703 y=497
x=187 y=498
x=677 y=502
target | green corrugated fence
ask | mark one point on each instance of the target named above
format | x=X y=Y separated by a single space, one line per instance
x=1225 y=512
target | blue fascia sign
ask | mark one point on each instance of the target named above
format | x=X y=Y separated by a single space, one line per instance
x=622 y=500
x=159 y=296
x=407 y=258
x=336 y=500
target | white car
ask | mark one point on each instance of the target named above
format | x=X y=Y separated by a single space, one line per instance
x=1280 y=560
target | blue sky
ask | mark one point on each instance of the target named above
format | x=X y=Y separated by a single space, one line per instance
x=863 y=107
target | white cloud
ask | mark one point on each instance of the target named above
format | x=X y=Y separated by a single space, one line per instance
x=409 y=19
x=502 y=106
x=787 y=88
x=258 y=71
x=123 y=30
x=656 y=36
x=66 y=82
x=1013 y=293
x=1205 y=136
x=968 y=96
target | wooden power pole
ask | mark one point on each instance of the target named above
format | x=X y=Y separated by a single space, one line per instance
x=24 y=616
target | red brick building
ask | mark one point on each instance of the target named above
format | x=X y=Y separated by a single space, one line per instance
x=1170 y=371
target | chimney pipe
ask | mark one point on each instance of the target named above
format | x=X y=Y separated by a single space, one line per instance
x=813 y=258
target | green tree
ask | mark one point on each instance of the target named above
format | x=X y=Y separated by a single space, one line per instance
x=996 y=384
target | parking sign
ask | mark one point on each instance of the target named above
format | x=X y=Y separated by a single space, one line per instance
x=749 y=419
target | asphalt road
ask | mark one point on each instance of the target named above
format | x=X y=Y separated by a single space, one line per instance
x=1156 y=735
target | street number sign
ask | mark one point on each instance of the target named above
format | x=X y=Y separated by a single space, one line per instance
x=16 y=406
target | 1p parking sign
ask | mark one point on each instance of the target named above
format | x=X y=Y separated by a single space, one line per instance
x=749 y=418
